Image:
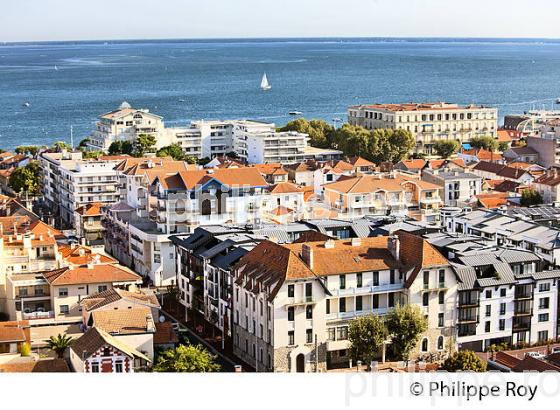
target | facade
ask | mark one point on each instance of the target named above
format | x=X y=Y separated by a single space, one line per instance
x=522 y=154
x=291 y=312
x=547 y=145
x=490 y=170
x=458 y=187
x=88 y=223
x=125 y=124
x=380 y=195
x=428 y=122
x=548 y=185
x=70 y=182
x=98 y=352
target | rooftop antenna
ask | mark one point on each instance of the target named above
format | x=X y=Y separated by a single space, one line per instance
x=72 y=137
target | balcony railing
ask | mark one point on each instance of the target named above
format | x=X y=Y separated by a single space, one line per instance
x=389 y=287
x=38 y=315
x=353 y=314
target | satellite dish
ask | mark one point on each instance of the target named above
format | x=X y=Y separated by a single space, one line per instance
x=161 y=319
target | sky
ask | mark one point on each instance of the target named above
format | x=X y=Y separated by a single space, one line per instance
x=51 y=20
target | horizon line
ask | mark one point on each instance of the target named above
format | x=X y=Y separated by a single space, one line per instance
x=240 y=38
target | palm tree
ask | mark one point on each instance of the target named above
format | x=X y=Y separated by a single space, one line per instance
x=59 y=344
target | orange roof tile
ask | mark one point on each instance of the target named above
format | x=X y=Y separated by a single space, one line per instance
x=285 y=188
x=92 y=274
x=371 y=183
x=124 y=321
x=82 y=255
x=93 y=209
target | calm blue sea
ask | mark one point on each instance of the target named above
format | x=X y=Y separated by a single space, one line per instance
x=219 y=79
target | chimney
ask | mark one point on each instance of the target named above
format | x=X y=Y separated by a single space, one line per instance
x=329 y=244
x=73 y=245
x=307 y=255
x=356 y=242
x=394 y=246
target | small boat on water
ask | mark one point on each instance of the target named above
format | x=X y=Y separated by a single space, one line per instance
x=558 y=101
x=295 y=113
x=26 y=104
x=265 y=86
x=55 y=68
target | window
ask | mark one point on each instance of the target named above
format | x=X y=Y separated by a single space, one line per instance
x=487 y=327
x=442 y=278
x=358 y=303
x=64 y=309
x=62 y=292
x=488 y=294
x=22 y=292
x=375 y=278
x=391 y=302
x=392 y=276
x=95 y=367
x=331 y=334
x=425 y=345
x=102 y=288
x=544 y=287
x=542 y=335
x=359 y=280
x=440 y=343
x=118 y=366
x=342 y=305
x=543 y=317
x=309 y=335
x=290 y=291
x=426 y=279
x=425 y=299
x=502 y=324
x=291 y=314
x=544 y=303
x=309 y=312
x=488 y=310
x=502 y=292
x=375 y=302
x=502 y=308
x=441 y=298
x=342 y=280
x=440 y=319
x=308 y=290
x=342 y=333
x=328 y=307
x=291 y=338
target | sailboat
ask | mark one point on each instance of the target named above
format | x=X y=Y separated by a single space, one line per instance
x=55 y=68
x=265 y=86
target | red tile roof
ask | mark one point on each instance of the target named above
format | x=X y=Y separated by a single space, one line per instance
x=91 y=274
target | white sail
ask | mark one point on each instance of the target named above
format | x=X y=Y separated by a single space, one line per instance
x=264 y=83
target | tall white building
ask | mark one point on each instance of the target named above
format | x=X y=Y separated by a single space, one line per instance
x=428 y=122
x=70 y=182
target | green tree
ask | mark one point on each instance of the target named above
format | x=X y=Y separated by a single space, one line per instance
x=446 y=148
x=144 y=143
x=174 y=151
x=27 y=178
x=366 y=335
x=121 y=148
x=59 y=344
x=405 y=323
x=488 y=143
x=465 y=360
x=319 y=131
x=83 y=143
x=530 y=197
x=61 y=145
x=32 y=150
x=186 y=359
x=503 y=146
x=232 y=155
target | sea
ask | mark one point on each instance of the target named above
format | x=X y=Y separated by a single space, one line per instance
x=68 y=84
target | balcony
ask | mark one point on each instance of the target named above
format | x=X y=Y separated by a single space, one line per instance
x=389 y=287
x=303 y=300
x=468 y=319
x=38 y=315
x=523 y=295
x=354 y=314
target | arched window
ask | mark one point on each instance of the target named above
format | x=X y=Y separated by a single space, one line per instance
x=440 y=343
x=137 y=116
x=425 y=344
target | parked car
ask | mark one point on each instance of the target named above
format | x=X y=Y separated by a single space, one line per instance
x=535 y=355
x=556 y=349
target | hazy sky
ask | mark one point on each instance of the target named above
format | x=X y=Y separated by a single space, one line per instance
x=34 y=20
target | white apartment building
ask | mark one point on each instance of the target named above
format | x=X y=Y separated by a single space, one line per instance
x=428 y=122
x=125 y=124
x=70 y=182
x=292 y=303
x=458 y=187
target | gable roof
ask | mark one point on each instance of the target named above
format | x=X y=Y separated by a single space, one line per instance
x=285 y=188
x=413 y=164
x=233 y=177
x=372 y=183
x=91 y=274
x=82 y=255
x=550 y=178
x=98 y=300
x=360 y=162
x=533 y=364
x=124 y=321
x=94 y=339
x=93 y=209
